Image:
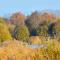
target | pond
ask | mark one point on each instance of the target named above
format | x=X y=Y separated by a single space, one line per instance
x=36 y=46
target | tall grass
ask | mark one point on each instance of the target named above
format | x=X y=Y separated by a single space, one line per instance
x=17 y=50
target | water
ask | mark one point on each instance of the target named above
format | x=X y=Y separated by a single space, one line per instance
x=35 y=46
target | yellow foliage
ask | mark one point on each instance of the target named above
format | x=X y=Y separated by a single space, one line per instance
x=4 y=33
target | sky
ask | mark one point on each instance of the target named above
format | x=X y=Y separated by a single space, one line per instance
x=27 y=6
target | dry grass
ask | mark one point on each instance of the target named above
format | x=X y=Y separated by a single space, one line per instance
x=17 y=50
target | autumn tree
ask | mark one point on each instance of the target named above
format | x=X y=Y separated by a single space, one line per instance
x=57 y=29
x=17 y=18
x=33 y=22
x=42 y=29
x=21 y=33
x=4 y=32
x=37 y=21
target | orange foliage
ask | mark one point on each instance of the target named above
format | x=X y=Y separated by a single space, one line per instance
x=17 y=18
x=49 y=17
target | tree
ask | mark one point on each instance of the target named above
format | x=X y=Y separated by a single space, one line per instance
x=4 y=32
x=21 y=33
x=2 y=20
x=57 y=29
x=36 y=19
x=33 y=22
x=11 y=29
x=51 y=29
x=43 y=29
x=17 y=18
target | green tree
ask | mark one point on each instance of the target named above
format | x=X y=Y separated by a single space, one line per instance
x=43 y=29
x=21 y=33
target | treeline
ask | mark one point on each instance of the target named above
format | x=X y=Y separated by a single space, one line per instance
x=21 y=27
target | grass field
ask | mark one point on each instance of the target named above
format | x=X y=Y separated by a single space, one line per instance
x=17 y=50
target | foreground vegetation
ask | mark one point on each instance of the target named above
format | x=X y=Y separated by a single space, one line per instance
x=17 y=50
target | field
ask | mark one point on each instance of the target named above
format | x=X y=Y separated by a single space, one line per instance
x=17 y=50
